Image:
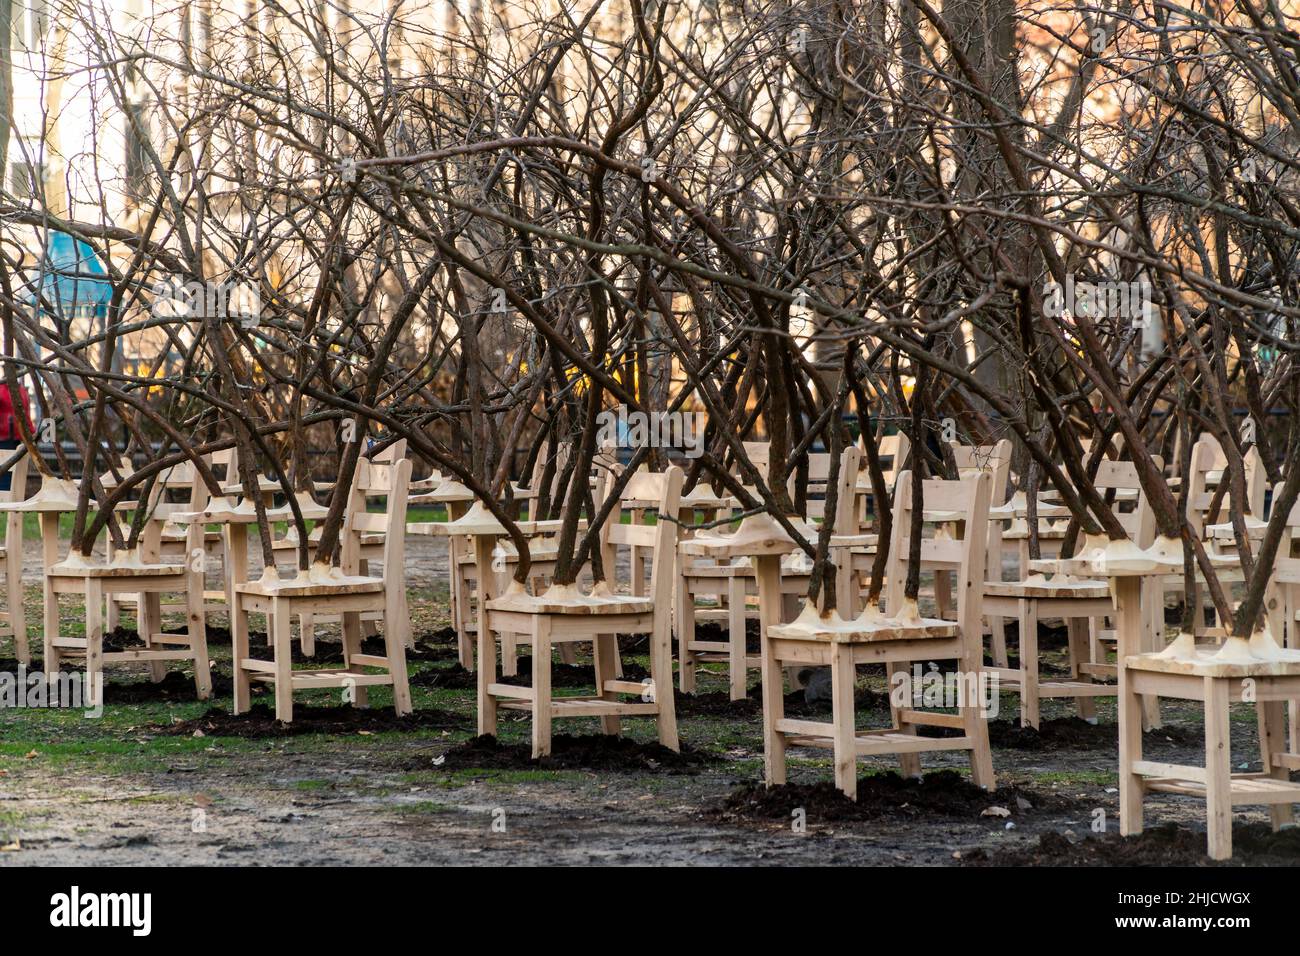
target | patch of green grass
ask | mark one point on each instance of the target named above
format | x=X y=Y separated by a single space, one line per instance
x=1093 y=778
x=424 y=808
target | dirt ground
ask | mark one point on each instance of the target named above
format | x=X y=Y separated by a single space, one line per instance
x=162 y=778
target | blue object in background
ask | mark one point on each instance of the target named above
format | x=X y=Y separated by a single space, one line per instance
x=73 y=278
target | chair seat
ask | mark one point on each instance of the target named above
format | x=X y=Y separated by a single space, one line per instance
x=88 y=570
x=1040 y=586
x=571 y=602
x=1204 y=665
x=836 y=630
x=299 y=587
x=1235 y=659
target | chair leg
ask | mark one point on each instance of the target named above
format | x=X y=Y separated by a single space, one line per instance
x=113 y=615
x=1131 y=787
x=17 y=616
x=194 y=621
x=487 y=676
x=509 y=651
x=406 y=616
x=845 y=721
x=307 y=634
x=1218 y=770
x=1077 y=628
x=395 y=639
x=50 y=614
x=738 y=652
x=94 y=643
x=460 y=617
x=1272 y=741
x=281 y=643
x=773 y=683
x=685 y=609
x=148 y=617
x=240 y=651
x=352 y=647
x=976 y=725
x=1153 y=640
x=1029 y=701
x=541 y=688
x=998 y=641
x=604 y=651
x=661 y=672
x=909 y=764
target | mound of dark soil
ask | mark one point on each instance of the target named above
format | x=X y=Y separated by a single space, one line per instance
x=453 y=677
x=439 y=645
x=943 y=792
x=122 y=639
x=10 y=665
x=864 y=699
x=173 y=686
x=1165 y=845
x=456 y=677
x=588 y=752
x=717 y=631
x=340 y=719
x=430 y=646
x=1065 y=733
x=718 y=703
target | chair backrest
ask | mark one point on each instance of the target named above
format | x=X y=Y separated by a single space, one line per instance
x=17 y=490
x=394 y=452
x=819 y=472
x=563 y=450
x=1139 y=522
x=894 y=448
x=994 y=459
x=1208 y=458
x=963 y=556
x=225 y=465
x=389 y=480
x=846 y=511
x=660 y=537
x=759 y=454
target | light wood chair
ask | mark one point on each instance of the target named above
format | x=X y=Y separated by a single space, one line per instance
x=900 y=641
x=343 y=591
x=11 y=558
x=142 y=574
x=728 y=586
x=565 y=615
x=1078 y=601
x=1208 y=464
x=370 y=549
x=892 y=451
x=171 y=543
x=1255 y=671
